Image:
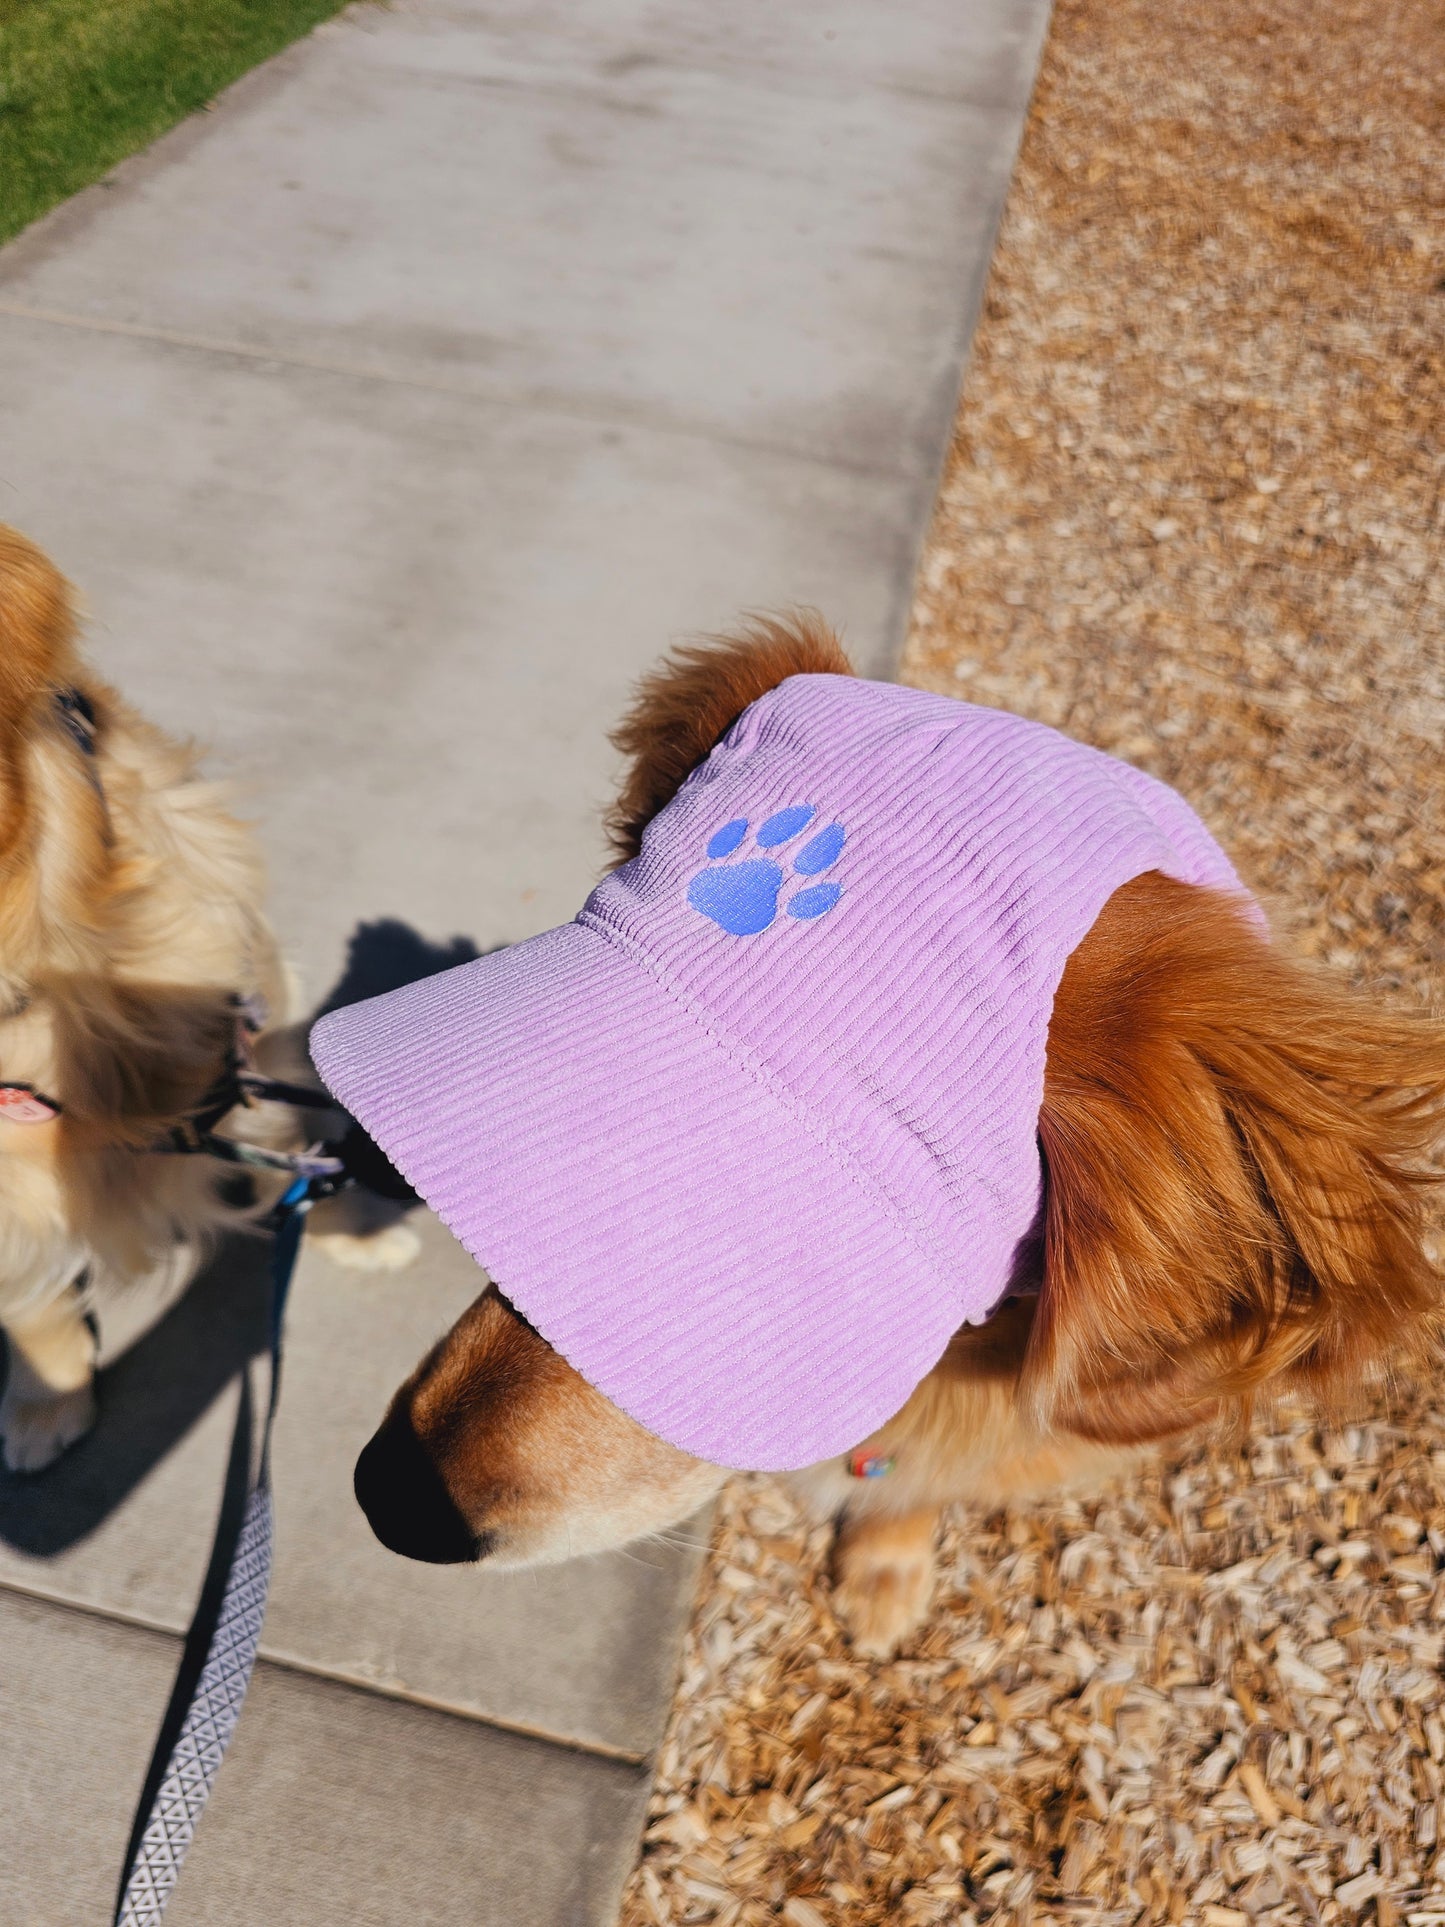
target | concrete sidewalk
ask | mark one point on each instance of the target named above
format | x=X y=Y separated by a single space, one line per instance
x=392 y=417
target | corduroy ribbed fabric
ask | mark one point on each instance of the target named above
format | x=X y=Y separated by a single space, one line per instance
x=753 y=1136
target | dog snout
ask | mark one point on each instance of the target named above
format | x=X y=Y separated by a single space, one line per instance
x=406 y=1500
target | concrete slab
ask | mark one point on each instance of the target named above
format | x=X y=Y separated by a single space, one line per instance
x=405 y=620
x=124 y=1523
x=333 y=1808
x=982 y=53
x=750 y=241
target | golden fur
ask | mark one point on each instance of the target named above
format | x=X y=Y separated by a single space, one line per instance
x=1238 y=1181
x=130 y=920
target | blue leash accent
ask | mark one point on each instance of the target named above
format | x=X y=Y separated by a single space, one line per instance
x=220 y=1647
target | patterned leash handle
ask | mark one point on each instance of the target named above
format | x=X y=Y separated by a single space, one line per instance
x=220 y=1648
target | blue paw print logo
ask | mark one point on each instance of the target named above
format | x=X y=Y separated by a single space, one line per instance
x=744 y=897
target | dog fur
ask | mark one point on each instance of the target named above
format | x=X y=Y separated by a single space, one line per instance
x=1238 y=1194
x=130 y=921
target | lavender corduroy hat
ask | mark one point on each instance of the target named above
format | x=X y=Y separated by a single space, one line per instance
x=756 y=1133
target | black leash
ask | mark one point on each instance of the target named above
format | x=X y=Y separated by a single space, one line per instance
x=225 y=1632
x=224 y=1635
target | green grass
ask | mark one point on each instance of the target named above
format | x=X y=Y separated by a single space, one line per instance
x=83 y=83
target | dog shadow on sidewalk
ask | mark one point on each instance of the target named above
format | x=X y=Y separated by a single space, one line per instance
x=153 y=1392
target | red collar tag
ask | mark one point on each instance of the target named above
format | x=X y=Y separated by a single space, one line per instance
x=19 y=1104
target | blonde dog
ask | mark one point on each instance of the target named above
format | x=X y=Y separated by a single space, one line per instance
x=130 y=929
x=1238 y=1178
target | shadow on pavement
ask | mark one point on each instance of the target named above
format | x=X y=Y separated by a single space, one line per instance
x=384 y=955
x=149 y=1399
x=153 y=1393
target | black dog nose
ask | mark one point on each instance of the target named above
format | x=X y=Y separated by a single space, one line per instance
x=406 y=1502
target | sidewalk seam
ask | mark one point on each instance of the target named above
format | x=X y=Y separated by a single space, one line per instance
x=351 y=371
x=335 y=1676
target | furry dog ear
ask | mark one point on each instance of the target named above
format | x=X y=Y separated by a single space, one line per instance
x=135 y=1058
x=693 y=699
x=37 y=631
x=37 y=627
x=1238 y=1175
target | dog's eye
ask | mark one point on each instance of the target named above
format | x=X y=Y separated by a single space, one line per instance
x=78 y=718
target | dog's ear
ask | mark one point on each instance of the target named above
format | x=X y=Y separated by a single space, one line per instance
x=134 y=1059
x=1238 y=1181
x=37 y=627
x=693 y=699
x=37 y=630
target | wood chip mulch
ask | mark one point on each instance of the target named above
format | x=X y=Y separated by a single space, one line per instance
x=1194 y=513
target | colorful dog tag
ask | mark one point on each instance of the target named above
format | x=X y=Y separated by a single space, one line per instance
x=20 y=1105
x=868 y=1465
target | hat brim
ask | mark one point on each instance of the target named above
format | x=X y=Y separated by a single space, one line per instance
x=669 y=1218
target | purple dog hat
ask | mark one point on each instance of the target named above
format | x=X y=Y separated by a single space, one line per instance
x=753 y=1136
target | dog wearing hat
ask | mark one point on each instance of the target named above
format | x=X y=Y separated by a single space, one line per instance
x=922 y=1109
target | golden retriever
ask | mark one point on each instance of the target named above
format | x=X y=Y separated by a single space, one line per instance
x=1238 y=1184
x=130 y=929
